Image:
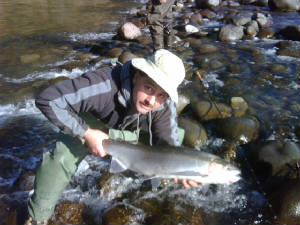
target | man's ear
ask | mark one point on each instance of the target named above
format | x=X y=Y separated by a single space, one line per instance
x=135 y=77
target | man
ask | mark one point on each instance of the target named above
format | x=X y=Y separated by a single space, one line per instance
x=160 y=22
x=137 y=96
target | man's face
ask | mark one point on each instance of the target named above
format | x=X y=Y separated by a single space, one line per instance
x=147 y=95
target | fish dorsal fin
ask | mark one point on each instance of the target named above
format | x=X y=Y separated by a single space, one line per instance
x=116 y=166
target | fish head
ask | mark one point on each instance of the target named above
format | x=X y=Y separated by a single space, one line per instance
x=222 y=172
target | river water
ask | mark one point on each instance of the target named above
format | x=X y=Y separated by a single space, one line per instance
x=37 y=37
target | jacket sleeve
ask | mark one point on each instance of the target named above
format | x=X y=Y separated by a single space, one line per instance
x=165 y=124
x=62 y=102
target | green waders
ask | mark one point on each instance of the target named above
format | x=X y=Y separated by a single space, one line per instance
x=57 y=168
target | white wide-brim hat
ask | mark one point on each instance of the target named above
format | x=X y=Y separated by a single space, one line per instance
x=165 y=69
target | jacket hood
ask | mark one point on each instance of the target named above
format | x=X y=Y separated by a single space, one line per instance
x=124 y=95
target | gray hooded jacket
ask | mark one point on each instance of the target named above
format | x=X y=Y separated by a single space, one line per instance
x=105 y=93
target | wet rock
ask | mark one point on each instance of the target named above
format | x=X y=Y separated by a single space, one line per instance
x=278 y=68
x=229 y=152
x=151 y=206
x=26 y=181
x=68 y=212
x=69 y=66
x=8 y=215
x=110 y=185
x=239 y=106
x=208 y=14
x=129 y=31
x=180 y=214
x=288 y=48
x=196 y=18
x=286 y=202
x=183 y=101
x=252 y=28
x=216 y=64
x=234 y=68
x=118 y=215
x=231 y=33
x=284 y=5
x=290 y=33
x=126 y=56
x=263 y=20
x=265 y=33
x=191 y=29
x=203 y=4
x=234 y=4
x=144 y=40
x=195 y=134
x=238 y=129
x=102 y=48
x=263 y=3
x=115 y=52
x=138 y=22
x=10 y=170
x=248 y=2
x=242 y=19
x=206 y=110
x=29 y=58
x=278 y=155
x=207 y=48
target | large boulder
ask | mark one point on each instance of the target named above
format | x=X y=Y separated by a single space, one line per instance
x=231 y=33
x=129 y=31
x=238 y=129
x=195 y=134
x=207 y=110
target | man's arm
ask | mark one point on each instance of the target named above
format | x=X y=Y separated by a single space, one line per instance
x=62 y=102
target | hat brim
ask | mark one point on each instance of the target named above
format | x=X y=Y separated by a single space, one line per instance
x=157 y=76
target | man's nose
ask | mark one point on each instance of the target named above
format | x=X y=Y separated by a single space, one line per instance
x=151 y=99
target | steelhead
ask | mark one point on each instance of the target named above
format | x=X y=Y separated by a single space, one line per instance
x=170 y=162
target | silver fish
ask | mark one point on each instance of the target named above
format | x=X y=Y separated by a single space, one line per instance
x=170 y=162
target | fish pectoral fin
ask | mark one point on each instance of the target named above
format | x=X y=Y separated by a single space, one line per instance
x=116 y=166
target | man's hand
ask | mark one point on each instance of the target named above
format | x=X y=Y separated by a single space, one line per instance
x=93 y=139
x=162 y=1
x=188 y=183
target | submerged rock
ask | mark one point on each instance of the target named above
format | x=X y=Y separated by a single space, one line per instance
x=195 y=134
x=239 y=106
x=126 y=56
x=206 y=110
x=68 y=212
x=288 y=48
x=242 y=19
x=238 y=129
x=231 y=33
x=118 y=215
x=29 y=58
x=286 y=201
x=278 y=154
x=291 y=33
x=252 y=28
